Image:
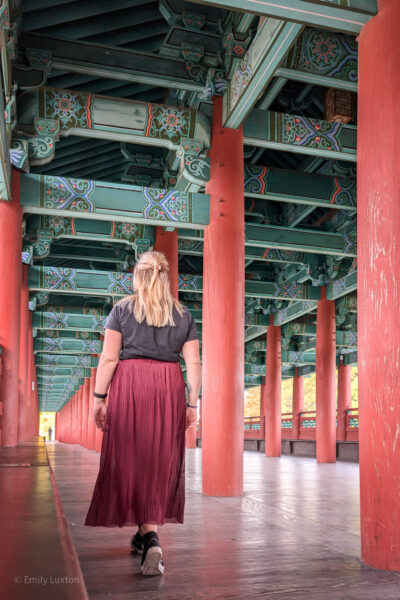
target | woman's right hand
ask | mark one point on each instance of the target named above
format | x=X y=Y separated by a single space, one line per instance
x=191 y=418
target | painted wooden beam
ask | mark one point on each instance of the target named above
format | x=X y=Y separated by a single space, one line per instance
x=66 y=360
x=195 y=248
x=323 y=58
x=299 y=188
x=349 y=16
x=96 y=200
x=109 y=62
x=53 y=372
x=54 y=113
x=343 y=286
x=65 y=346
x=255 y=71
x=346 y=339
x=5 y=163
x=302 y=135
x=69 y=334
x=304 y=240
x=271 y=237
x=107 y=283
x=63 y=319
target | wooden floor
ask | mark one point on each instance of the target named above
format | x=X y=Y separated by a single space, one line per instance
x=293 y=535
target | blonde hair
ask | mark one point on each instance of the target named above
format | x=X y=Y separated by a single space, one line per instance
x=153 y=300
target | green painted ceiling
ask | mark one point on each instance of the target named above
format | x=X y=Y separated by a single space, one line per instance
x=158 y=27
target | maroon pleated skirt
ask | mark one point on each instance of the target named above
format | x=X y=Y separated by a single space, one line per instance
x=142 y=465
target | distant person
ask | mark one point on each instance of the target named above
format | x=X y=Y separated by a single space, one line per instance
x=50 y=432
x=141 y=480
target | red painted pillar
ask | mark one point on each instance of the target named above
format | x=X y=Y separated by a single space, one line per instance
x=69 y=427
x=378 y=216
x=298 y=403
x=10 y=292
x=80 y=414
x=74 y=419
x=91 y=424
x=326 y=380
x=34 y=393
x=344 y=399
x=273 y=381
x=263 y=402
x=58 y=425
x=223 y=315
x=24 y=358
x=86 y=390
x=167 y=242
x=29 y=377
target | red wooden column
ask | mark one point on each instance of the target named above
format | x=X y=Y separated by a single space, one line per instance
x=29 y=378
x=263 y=401
x=167 y=242
x=298 y=403
x=80 y=415
x=10 y=293
x=24 y=358
x=326 y=380
x=85 y=414
x=344 y=399
x=273 y=383
x=378 y=217
x=69 y=426
x=91 y=424
x=223 y=315
x=74 y=418
x=58 y=431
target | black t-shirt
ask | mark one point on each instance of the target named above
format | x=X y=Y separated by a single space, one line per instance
x=140 y=340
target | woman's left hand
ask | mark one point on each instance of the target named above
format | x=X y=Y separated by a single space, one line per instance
x=99 y=415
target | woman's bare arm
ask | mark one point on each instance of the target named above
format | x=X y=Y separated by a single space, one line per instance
x=109 y=359
x=191 y=355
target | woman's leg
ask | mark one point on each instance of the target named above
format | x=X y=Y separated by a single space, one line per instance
x=146 y=527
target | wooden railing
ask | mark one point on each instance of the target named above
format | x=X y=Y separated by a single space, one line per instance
x=301 y=426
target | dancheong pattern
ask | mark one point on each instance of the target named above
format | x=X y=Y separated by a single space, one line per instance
x=308 y=133
x=58 y=279
x=125 y=231
x=57 y=225
x=54 y=320
x=170 y=123
x=255 y=179
x=120 y=283
x=71 y=109
x=345 y=192
x=325 y=53
x=167 y=205
x=66 y=194
x=189 y=283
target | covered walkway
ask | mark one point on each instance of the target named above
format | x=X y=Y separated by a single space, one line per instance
x=294 y=534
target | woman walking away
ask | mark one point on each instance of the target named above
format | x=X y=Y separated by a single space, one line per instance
x=141 y=480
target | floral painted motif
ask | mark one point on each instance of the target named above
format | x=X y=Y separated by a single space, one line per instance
x=309 y=133
x=190 y=283
x=58 y=225
x=167 y=205
x=63 y=193
x=57 y=278
x=124 y=231
x=71 y=109
x=170 y=123
x=324 y=53
x=120 y=283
